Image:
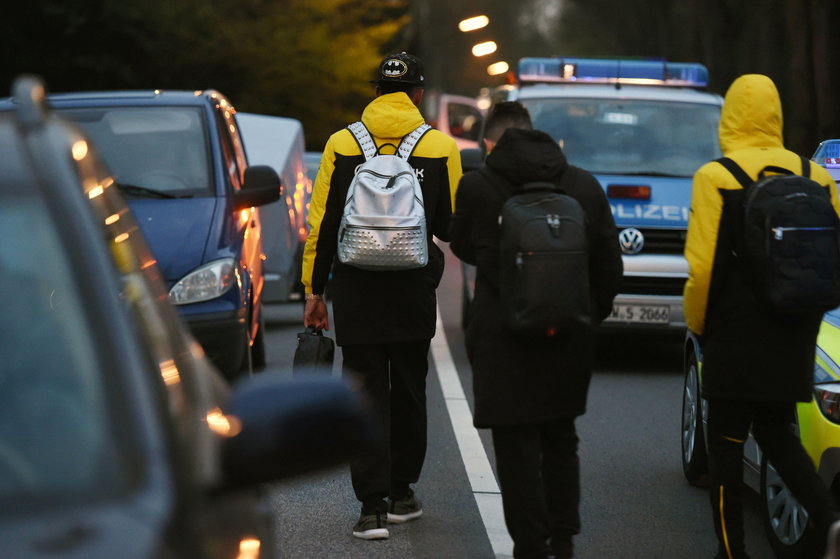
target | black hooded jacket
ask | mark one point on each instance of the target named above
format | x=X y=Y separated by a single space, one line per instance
x=519 y=382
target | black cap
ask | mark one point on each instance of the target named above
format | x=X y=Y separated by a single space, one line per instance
x=400 y=68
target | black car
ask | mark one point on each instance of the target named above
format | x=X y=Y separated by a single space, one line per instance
x=118 y=437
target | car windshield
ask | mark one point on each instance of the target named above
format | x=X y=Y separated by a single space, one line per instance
x=630 y=137
x=56 y=441
x=152 y=151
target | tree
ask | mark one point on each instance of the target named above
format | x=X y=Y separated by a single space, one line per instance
x=305 y=59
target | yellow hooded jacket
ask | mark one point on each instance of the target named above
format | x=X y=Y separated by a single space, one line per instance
x=366 y=303
x=750 y=133
x=747 y=352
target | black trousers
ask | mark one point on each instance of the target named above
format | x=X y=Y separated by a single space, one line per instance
x=393 y=377
x=539 y=476
x=728 y=426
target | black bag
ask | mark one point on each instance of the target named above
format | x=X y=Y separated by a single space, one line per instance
x=790 y=240
x=543 y=262
x=314 y=352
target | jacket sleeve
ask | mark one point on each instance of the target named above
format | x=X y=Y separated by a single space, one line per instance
x=315 y=271
x=700 y=246
x=450 y=177
x=605 y=266
x=462 y=224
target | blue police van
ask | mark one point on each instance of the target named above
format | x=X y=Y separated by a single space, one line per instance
x=642 y=127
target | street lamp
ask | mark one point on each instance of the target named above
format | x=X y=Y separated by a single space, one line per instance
x=485 y=48
x=498 y=68
x=473 y=23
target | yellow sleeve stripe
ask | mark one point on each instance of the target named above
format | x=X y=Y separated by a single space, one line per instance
x=701 y=241
x=317 y=208
x=453 y=166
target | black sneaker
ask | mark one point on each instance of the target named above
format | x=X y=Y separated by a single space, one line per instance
x=403 y=510
x=371 y=527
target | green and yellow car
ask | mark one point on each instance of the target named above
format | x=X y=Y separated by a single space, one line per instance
x=817 y=422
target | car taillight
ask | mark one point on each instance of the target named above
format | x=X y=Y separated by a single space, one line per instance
x=628 y=191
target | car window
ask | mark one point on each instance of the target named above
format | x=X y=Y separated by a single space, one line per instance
x=158 y=148
x=234 y=159
x=630 y=136
x=55 y=437
x=464 y=121
x=828 y=152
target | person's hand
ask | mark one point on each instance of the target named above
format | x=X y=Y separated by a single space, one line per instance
x=315 y=314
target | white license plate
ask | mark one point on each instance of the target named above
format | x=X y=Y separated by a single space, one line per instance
x=640 y=314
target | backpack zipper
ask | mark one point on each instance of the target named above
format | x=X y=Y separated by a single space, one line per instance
x=381 y=176
x=520 y=256
x=779 y=232
x=377 y=228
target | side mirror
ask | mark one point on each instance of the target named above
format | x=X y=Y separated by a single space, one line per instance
x=288 y=427
x=262 y=186
x=471 y=159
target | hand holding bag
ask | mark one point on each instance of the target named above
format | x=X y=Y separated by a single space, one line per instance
x=314 y=352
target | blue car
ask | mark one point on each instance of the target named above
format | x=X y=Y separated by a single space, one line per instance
x=179 y=161
x=118 y=438
x=828 y=155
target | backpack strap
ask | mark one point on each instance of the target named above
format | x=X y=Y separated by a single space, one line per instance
x=806 y=167
x=745 y=179
x=364 y=139
x=735 y=170
x=409 y=142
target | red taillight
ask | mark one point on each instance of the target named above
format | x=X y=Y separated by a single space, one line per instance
x=631 y=191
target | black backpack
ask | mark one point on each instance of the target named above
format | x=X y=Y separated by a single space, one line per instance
x=790 y=240
x=543 y=262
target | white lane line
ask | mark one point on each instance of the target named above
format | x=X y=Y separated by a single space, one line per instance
x=482 y=481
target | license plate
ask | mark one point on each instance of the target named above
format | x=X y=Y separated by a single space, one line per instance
x=641 y=314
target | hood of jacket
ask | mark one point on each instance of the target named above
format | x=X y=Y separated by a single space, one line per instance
x=523 y=156
x=751 y=116
x=392 y=115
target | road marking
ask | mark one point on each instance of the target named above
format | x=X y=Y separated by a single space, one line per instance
x=485 y=490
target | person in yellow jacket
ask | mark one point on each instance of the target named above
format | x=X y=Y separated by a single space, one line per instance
x=756 y=365
x=384 y=320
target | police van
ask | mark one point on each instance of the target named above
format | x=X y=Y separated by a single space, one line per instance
x=642 y=127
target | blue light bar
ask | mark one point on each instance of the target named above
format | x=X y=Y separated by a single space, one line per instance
x=612 y=71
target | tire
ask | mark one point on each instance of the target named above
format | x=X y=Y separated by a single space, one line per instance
x=694 y=457
x=247 y=365
x=258 y=348
x=785 y=521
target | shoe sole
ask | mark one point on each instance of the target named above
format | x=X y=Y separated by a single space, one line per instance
x=400 y=518
x=375 y=534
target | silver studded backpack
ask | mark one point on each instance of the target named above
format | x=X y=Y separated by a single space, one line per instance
x=383 y=226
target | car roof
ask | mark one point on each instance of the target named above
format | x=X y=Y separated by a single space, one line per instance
x=129 y=97
x=634 y=92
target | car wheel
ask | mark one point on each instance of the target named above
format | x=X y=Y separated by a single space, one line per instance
x=785 y=520
x=695 y=465
x=258 y=348
x=246 y=367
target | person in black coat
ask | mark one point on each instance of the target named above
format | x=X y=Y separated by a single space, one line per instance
x=529 y=392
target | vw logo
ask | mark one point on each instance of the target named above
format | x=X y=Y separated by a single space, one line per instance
x=631 y=241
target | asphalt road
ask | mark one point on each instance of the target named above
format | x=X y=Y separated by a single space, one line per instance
x=635 y=501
